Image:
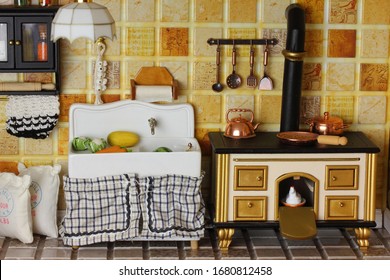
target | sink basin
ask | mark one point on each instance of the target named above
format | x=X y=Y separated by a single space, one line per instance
x=174 y=130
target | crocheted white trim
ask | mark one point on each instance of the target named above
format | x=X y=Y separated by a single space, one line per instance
x=32 y=106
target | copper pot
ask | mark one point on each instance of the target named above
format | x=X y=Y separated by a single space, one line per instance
x=240 y=127
x=327 y=125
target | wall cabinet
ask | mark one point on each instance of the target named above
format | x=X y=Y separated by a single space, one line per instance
x=25 y=44
x=252 y=177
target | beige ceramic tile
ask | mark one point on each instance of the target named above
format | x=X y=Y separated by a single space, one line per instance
x=341 y=76
x=113 y=7
x=375 y=43
x=342 y=11
x=310 y=107
x=77 y=47
x=73 y=74
x=376 y=12
x=38 y=146
x=278 y=34
x=140 y=11
x=207 y=108
x=247 y=8
x=112 y=74
x=314 y=43
x=174 y=41
x=204 y=75
x=374 y=77
x=9 y=145
x=372 y=109
x=314 y=10
x=179 y=72
x=201 y=48
x=342 y=107
x=176 y=11
x=270 y=109
x=312 y=76
x=140 y=41
x=274 y=11
x=63 y=140
x=208 y=11
x=336 y=43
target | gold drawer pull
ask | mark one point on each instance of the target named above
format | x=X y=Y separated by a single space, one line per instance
x=250 y=205
x=341 y=204
x=259 y=178
x=11 y=42
x=334 y=178
x=18 y=43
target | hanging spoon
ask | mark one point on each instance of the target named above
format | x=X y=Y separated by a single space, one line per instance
x=266 y=82
x=218 y=87
x=233 y=80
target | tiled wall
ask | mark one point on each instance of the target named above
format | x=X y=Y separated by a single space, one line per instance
x=346 y=68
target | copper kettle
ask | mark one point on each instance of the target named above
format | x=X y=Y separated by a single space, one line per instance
x=240 y=127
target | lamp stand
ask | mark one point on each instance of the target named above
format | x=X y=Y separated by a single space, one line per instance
x=100 y=79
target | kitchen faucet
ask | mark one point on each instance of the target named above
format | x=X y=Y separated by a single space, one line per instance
x=152 y=124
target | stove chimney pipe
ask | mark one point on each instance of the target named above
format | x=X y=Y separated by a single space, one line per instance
x=293 y=66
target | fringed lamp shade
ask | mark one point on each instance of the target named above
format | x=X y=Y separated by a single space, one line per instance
x=83 y=20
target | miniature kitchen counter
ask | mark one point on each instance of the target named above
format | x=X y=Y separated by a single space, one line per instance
x=251 y=177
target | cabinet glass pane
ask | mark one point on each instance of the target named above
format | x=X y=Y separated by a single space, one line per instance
x=3 y=42
x=34 y=42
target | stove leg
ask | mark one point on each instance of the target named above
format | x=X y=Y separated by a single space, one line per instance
x=225 y=238
x=362 y=235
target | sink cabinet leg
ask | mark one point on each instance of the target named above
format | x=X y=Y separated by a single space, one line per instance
x=194 y=245
x=362 y=235
x=225 y=238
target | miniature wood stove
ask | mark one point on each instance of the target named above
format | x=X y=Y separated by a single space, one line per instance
x=251 y=177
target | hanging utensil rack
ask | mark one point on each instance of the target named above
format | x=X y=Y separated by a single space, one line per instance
x=213 y=41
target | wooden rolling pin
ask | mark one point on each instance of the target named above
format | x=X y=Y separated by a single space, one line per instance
x=332 y=140
x=30 y=86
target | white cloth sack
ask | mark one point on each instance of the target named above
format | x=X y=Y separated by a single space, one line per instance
x=45 y=183
x=15 y=207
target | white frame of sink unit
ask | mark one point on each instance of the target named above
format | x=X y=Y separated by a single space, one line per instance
x=175 y=128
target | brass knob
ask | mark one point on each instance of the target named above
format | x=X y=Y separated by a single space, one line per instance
x=11 y=42
x=18 y=43
x=259 y=178
x=341 y=204
x=250 y=205
x=334 y=178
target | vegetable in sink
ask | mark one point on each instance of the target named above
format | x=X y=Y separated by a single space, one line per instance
x=123 y=138
x=162 y=149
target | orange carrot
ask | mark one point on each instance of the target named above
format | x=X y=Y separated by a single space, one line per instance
x=112 y=149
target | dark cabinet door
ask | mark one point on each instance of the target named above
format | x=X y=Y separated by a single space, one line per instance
x=33 y=48
x=7 y=58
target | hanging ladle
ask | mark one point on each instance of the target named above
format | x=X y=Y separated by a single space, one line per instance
x=233 y=80
x=218 y=87
x=265 y=82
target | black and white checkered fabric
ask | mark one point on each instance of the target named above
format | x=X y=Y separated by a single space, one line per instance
x=102 y=209
x=172 y=206
x=125 y=207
